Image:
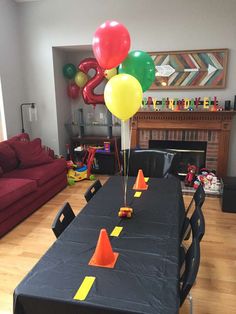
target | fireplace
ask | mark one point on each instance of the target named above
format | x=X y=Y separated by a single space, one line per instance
x=196 y=126
x=188 y=152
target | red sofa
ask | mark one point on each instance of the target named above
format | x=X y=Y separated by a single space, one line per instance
x=25 y=189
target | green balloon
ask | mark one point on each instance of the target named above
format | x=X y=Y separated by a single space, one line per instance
x=69 y=70
x=140 y=65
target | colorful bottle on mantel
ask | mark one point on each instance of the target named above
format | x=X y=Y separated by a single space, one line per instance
x=154 y=101
x=215 y=104
x=144 y=103
x=149 y=103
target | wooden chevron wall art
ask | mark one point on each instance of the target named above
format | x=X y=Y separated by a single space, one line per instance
x=193 y=69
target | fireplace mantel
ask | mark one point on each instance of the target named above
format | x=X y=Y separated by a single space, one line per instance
x=219 y=121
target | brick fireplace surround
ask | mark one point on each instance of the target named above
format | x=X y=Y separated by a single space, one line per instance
x=212 y=127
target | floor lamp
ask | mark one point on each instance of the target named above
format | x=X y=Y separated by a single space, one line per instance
x=31 y=105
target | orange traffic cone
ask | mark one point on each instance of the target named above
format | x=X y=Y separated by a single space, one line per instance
x=103 y=255
x=140 y=183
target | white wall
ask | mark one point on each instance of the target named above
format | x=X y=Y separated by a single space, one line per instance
x=10 y=65
x=154 y=25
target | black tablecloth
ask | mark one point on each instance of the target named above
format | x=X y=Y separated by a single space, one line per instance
x=145 y=277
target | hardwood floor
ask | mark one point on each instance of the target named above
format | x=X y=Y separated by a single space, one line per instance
x=215 y=288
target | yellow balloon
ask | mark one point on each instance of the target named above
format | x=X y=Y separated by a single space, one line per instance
x=123 y=96
x=110 y=73
x=80 y=79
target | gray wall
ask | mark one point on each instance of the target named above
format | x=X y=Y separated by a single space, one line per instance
x=154 y=25
x=11 y=72
x=63 y=104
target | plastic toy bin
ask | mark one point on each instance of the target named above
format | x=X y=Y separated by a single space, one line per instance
x=229 y=195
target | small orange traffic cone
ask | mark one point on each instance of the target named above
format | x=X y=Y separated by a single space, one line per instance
x=103 y=255
x=140 y=183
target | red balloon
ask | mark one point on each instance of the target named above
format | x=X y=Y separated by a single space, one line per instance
x=73 y=91
x=111 y=44
x=88 y=90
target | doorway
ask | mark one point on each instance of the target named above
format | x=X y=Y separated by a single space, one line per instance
x=3 y=133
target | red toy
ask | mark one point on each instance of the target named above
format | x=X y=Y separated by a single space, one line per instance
x=70 y=164
x=88 y=159
x=191 y=175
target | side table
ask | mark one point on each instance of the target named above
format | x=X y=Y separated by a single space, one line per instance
x=229 y=195
x=106 y=163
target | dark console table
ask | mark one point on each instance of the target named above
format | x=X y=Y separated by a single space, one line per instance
x=106 y=162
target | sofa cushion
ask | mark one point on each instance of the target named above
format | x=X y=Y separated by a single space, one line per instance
x=8 y=159
x=1 y=171
x=12 y=190
x=30 y=154
x=41 y=174
x=50 y=188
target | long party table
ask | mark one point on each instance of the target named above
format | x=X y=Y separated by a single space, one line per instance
x=145 y=278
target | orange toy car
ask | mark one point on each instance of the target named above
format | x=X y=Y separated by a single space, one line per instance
x=125 y=212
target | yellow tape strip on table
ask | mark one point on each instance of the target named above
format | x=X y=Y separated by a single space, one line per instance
x=116 y=231
x=137 y=194
x=84 y=289
x=146 y=179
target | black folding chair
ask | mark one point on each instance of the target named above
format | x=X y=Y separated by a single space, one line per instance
x=197 y=227
x=62 y=220
x=92 y=190
x=197 y=201
x=196 y=223
x=154 y=163
x=198 y=198
x=187 y=279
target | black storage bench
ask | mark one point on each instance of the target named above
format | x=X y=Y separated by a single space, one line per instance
x=229 y=195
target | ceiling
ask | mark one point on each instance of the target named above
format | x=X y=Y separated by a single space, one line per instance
x=76 y=48
x=25 y=0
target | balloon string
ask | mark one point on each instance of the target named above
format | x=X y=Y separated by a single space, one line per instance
x=125 y=167
x=126 y=164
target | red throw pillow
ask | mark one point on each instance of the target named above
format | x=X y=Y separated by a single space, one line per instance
x=8 y=159
x=31 y=154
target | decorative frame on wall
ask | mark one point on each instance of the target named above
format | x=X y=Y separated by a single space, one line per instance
x=190 y=69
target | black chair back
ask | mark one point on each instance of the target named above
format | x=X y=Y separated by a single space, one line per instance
x=92 y=190
x=154 y=163
x=197 y=222
x=192 y=262
x=198 y=198
x=62 y=220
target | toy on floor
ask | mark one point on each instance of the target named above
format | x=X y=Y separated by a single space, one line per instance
x=70 y=181
x=191 y=175
x=70 y=164
x=81 y=170
x=208 y=179
x=77 y=175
